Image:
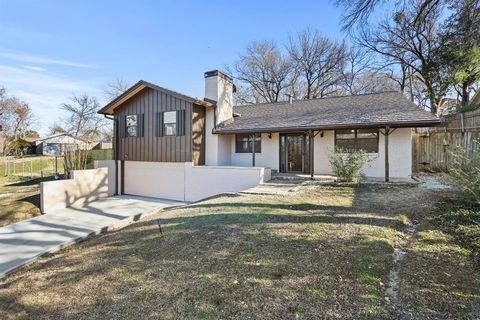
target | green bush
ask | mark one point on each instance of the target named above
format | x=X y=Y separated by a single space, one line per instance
x=460 y=214
x=466 y=171
x=347 y=165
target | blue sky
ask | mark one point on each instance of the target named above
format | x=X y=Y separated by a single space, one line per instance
x=50 y=50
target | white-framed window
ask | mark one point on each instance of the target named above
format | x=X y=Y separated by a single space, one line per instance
x=170 y=123
x=243 y=143
x=131 y=125
x=357 y=139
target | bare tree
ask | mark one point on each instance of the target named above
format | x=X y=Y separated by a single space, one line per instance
x=115 y=88
x=460 y=48
x=358 y=12
x=82 y=118
x=411 y=43
x=16 y=118
x=265 y=70
x=318 y=62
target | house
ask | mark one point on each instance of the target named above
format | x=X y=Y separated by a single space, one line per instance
x=163 y=138
x=58 y=143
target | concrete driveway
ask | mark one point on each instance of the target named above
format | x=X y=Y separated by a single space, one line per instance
x=23 y=242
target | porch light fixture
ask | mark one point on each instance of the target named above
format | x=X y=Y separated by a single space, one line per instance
x=270 y=135
x=321 y=134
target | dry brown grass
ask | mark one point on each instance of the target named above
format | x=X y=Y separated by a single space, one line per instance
x=321 y=253
x=19 y=199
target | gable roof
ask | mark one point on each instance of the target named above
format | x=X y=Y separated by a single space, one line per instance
x=136 y=88
x=368 y=110
x=61 y=134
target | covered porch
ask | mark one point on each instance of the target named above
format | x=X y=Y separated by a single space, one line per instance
x=306 y=152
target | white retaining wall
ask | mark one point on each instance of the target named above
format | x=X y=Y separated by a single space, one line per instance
x=185 y=182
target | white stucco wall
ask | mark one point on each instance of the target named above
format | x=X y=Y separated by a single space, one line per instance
x=155 y=179
x=219 y=89
x=110 y=165
x=211 y=140
x=400 y=146
x=204 y=181
x=269 y=157
x=400 y=154
x=185 y=182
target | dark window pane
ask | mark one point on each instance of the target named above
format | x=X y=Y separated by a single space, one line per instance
x=347 y=145
x=367 y=133
x=345 y=134
x=243 y=143
x=369 y=145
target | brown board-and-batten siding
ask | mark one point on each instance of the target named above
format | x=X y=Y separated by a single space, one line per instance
x=148 y=146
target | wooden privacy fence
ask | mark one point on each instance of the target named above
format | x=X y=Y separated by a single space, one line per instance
x=432 y=147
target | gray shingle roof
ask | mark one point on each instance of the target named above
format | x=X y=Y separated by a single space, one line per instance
x=369 y=110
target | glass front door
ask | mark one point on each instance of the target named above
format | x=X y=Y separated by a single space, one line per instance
x=294 y=153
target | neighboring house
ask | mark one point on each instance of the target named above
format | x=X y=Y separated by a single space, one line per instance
x=57 y=144
x=102 y=146
x=156 y=128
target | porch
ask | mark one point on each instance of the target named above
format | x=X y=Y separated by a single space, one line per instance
x=302 y=154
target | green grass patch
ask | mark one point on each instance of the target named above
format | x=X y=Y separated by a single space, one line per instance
x=460 y=217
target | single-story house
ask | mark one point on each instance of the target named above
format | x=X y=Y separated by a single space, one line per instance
x=162 y=135
x=58 y=143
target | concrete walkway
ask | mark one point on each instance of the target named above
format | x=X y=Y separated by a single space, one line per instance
x=23 y=242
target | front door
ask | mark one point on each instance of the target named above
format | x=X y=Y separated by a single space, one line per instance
x=293 y=153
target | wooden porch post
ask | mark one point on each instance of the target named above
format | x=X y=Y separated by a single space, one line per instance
x=387 y=168
x=253 y=149
x=311 y=143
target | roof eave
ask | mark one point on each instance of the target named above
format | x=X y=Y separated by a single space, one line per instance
x=136 y=88
x=398 y=124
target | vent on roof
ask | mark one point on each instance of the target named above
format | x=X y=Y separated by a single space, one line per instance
x=236 y=115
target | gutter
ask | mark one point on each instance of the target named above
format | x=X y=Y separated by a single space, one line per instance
x=412 y=124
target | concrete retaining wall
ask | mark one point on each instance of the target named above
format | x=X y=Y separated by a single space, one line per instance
x=85 y=186
x=110 y=164
x=185 y=182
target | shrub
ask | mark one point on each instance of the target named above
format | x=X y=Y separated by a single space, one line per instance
x=466 y=171
x=347 y=166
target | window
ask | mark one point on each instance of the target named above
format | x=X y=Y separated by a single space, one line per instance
x=132 y=125
x=357 y=139
x=170 y=123
x=243 y=143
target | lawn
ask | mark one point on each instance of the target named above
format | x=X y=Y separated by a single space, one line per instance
x=323 y=252
x=19 y=192
x=19 y=199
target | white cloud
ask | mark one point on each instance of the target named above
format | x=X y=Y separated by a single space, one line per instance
x=34 y=68
x=30 y=58
x=44 y=91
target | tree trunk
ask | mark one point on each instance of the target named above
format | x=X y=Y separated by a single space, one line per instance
x=465 y=95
